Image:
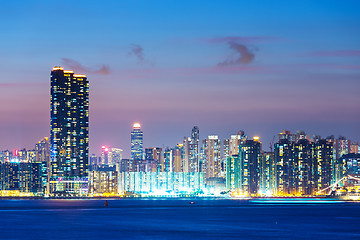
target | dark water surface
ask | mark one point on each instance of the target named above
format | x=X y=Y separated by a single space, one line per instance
x=177 y=219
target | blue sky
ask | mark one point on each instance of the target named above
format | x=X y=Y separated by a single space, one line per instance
x=163 y=66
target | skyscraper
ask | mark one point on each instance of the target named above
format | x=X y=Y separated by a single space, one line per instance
x=42 y=149
x=187 y=142
x=69 y=126
x=191 y=148
x=194 y=150
x=167 y=164
x=323 y=154
x=284 y=160
x=303 y=167
x=233 y=173
x=249 y=156
x=110 y=156
x=267 y=177
x=115 y=155
x=136 y=142
x=212 y=156
x=231 y=147
x=153 y=159
x=104 y=155
x=178 y=157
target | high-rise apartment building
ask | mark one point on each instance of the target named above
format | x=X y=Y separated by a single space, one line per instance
x=178 y=157
x=194 y=150
x=136 y=142
x=115 y=156
x=110 y=156
x=104 y=155
x=354 y=147
x=191 y=151
x=249 y=157
x=153 y=159
x=69 y=126
x=324 y=162
x=231 y=145
x=42 y=149
x=267 y=178
x=212 y=156
x=303 y=167
x=233 y=173
x=341 y=145
x=284 y=160
x=167 y=164
x=350 y=164
x=186 y=144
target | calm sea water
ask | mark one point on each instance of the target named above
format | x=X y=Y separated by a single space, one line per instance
x=177 y=219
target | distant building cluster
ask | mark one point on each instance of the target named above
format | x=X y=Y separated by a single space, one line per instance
x=25 y=172
x=60 y=166
x=297 y=165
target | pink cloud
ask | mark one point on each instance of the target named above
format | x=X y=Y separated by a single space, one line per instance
x=76 y=66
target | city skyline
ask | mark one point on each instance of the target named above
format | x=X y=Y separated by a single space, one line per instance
x=59 y=166
x=296 y=69
x=180 y=119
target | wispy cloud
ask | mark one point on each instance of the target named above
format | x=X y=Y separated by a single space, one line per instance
x=137 y=51
x=243 y=48
x=337 y=53
x=244 y=55
x=76 y=66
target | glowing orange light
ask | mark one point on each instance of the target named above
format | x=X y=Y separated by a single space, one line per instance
x=79 y=75
x=57 y=68
x=137 y=126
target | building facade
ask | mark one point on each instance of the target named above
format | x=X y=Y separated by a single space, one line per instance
x=191 y=151
x=303 y=167
x=212 y=156
x=249 y=157
x=137 y=142
x=69 y=126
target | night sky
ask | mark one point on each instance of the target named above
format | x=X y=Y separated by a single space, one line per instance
x=221 y=65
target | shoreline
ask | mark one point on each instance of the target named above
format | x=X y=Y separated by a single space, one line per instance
x=170 y=198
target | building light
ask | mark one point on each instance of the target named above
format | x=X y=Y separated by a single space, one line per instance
x=136 y=126
x=57 y=68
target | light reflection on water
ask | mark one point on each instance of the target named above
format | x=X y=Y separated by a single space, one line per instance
x=296 y=201
x=177 y=219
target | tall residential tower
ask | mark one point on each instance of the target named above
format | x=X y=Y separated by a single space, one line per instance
x=69 y=126
x=191 y=148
